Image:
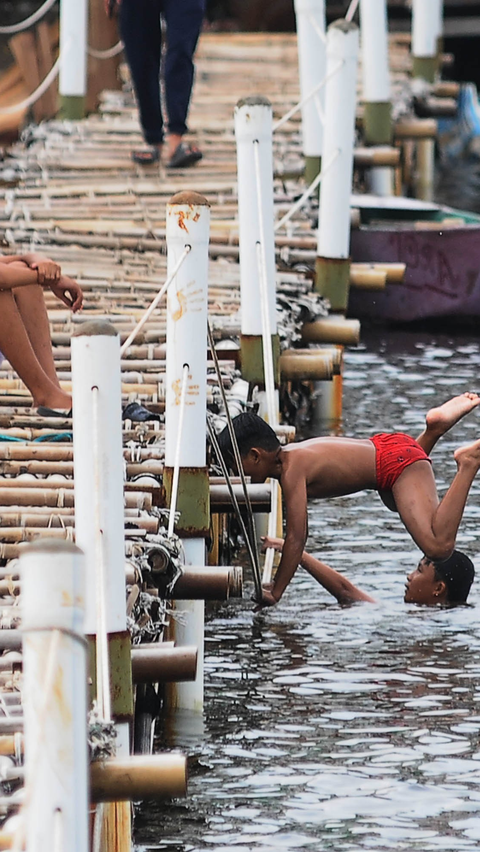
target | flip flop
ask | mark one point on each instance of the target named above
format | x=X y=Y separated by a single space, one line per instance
x=44 y=411
x=146 y=156
x=138 y=413
x=183 y=156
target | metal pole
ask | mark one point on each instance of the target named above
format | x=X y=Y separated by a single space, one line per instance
x=333 y=261
x=253 y=129
x=73 y=50
x=188 y=223
x=312 y=65
x=55 y=697
x=377 y=122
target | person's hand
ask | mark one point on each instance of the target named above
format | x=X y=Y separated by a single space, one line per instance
x=69 y=292
x=48 y=272
x=268 y=598
x=270 y=541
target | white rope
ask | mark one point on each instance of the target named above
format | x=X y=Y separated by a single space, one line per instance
x=304 y=100
x=37 y=94
x=176 y=467
x=301 y=201
x=314 y=24
x=351 y=10
x=109 y=53
x=155 y=302
x=101 y=645
x=28 y=22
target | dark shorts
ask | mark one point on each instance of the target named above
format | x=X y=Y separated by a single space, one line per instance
x=394 y=452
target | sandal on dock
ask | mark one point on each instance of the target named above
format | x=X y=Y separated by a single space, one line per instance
x=184 y=155
x=138 y=413
x=44 y=411
x=146 y=156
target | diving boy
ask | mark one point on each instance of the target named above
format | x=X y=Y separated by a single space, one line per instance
x=443 y=583
x=395 y=465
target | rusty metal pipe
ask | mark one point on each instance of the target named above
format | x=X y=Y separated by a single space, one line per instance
x=154 y=663
x=139 y=777
x=220 y=500
x=208 y=583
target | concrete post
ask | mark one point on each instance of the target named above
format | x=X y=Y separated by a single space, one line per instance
x=253 y=124
x=426 y=21
x=188 y=223
x=73 y=49
x=333 y=261
x=312 y=66
x=377 y=123
x=55 y=697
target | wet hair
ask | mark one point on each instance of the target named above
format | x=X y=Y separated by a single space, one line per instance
x=250 y=431
x=457 y=572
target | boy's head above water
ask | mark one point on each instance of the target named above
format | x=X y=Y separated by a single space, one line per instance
x=446 y=582
x=258 y=445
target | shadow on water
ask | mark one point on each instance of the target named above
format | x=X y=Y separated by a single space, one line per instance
x=346 y=728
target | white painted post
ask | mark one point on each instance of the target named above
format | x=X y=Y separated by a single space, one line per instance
x=253 y=126
x=97 y=431
x=377 y=124
x=99 y=531
x=333 y=261
x=426 y=17
x=188 y=223
x=312 y=67
x=55 y=697
x=73 y=50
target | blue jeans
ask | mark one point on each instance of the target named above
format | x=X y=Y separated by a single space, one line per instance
x=141 y=33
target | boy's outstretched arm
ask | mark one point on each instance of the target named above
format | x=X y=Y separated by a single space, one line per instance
x=332 y=581
x=294 y=490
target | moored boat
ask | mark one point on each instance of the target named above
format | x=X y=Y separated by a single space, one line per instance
x=440 y=247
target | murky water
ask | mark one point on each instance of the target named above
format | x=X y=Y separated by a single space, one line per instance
x=346 y=728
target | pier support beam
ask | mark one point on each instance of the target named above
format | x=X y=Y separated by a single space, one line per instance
x=333 y=261
x=253 y=127
x=188 y=224
x=55 y=693
x=312 y=66
x=427 y=27
x=73 y=52
x=377 y=122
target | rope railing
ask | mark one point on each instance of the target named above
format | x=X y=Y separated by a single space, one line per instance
x=155 y=302
x=351 y=10
x=37 y=94
x=30 y=21
x=176 y=466
x=108 y=53
x=308 y=192
x=288 y=115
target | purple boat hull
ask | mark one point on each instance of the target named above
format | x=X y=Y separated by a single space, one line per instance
x=442 y=278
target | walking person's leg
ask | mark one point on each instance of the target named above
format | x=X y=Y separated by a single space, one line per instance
x=142 y=37
x=183 y=19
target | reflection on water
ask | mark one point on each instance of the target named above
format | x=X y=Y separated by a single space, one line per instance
x=346 y=728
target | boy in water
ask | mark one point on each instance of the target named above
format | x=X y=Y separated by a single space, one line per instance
x=395 y=465
x=431 y=583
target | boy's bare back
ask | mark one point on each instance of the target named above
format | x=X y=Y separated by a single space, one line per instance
x=330 y=467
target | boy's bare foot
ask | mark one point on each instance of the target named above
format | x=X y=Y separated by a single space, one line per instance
x=441 y=419
x=468 y=456
x=57 y=400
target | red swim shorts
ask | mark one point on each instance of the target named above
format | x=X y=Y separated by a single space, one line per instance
x=394 y=452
